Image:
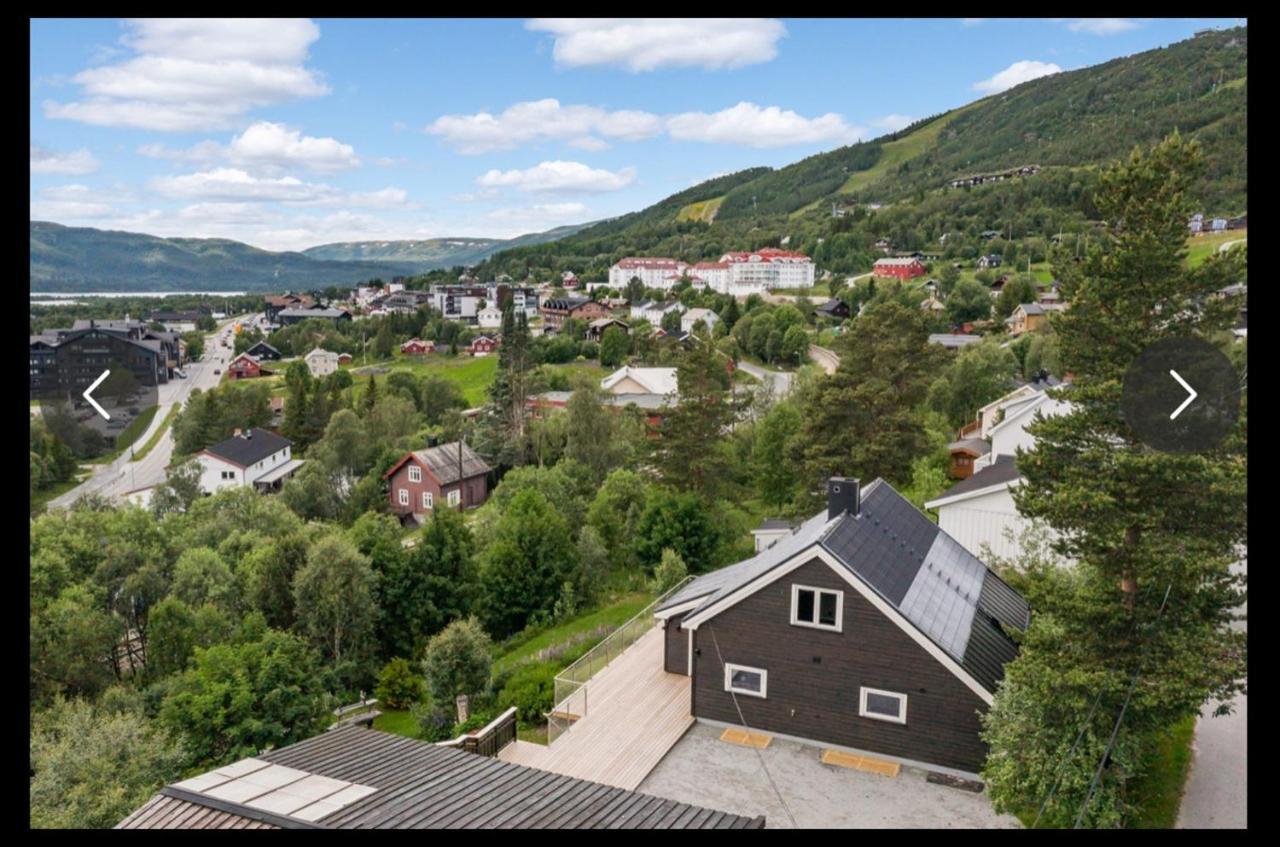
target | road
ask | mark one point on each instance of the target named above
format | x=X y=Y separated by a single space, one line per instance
x=123 y=474
x=825 y=358
x=1215 y=796
x=1226 y=245
x=779 y=382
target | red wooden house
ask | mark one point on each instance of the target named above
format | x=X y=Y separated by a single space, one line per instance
x=417 y=347
x=245 y=366
x=482 y=345
x=344 y=358
x=903 y=268
x=447 y=475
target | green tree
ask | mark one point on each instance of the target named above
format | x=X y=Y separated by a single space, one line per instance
x=968 y=301
x=676 y=521
x=861 y=421
x=398 y=686
x=530 y=556
x=200 y=576
x=595 y=435
x=614 y=346
x=670 y=572
x=1140 y=523
x=72 y=643
x=92 y=766
x=1018 y=289
x=238 y=699
x=426 y=587
x=179 y=490
x=979 y=374
x=688 y=451
x=457 y=661
x=439 y=395
x=333 y=596
x=615 y=512
x=777 y=479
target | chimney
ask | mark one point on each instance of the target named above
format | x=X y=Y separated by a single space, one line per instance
x=842 y=496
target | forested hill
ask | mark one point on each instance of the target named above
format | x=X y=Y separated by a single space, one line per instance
x=426 y=254
x=1068 y=124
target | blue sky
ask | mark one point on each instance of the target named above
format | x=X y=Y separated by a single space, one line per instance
x=290 y=133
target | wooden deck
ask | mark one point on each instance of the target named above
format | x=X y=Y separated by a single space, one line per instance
x=635 y=713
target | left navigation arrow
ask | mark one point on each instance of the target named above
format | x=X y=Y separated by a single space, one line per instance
x=92 y=402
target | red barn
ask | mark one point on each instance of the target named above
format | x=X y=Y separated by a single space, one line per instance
x=904 y=268
x=344 y=358
x=450 y=474
x=417 y=347
x=244 y=367
x=482 y=345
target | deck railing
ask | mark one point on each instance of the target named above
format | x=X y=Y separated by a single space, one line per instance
x=495 y=735
x=570 y=694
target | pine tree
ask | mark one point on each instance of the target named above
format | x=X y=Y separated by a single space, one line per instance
x=1139 y=523
x=370 y=398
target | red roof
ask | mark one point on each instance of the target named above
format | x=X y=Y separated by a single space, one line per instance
x=768 y=254
x=711 y=266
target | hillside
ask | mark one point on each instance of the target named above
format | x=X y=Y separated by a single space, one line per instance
x=70 y=259
x=431 y=253
x=1068 y=124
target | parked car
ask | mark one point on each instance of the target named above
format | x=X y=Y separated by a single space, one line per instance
x=217 y=371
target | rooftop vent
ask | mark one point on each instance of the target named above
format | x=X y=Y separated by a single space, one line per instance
x=842 y=496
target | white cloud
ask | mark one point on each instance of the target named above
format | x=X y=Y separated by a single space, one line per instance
x=559 y=177
x=267 y=147
x=590 y=143
x=232 y=184
x=749 y=124
x=892 y=123
x=194 y=74
x=1102 y=26
x=76 y=163
x=646 y=44
x=74 y=202
x=510 y=222
x=539 y=120
x=1016 y=74
x=387 y=198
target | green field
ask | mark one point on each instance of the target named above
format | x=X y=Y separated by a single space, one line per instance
x=398 y=722
x=158 y=434
x=704 y=210
x=42 y=497
x=1201 y=247
x=472 y=375
x=524 y=647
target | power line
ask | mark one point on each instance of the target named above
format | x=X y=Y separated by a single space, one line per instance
x=743 y=721
x=1115 y=730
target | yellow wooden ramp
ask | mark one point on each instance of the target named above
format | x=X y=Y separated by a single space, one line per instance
x=862 y=763
x=747 y=739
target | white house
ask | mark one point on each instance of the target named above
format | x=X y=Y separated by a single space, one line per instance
x=628 y=380
x=753 y=272
x=321 y=362
x=490 y=317
x=257 y=457
x=654 y=272
x=691 y=317
x=979 y=511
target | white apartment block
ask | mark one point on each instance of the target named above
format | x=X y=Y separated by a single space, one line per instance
x=653 y=272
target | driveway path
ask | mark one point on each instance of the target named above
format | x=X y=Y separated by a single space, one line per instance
x=779 y=382
x=1217 y=787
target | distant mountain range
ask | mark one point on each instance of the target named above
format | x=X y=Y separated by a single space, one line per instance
x=78 y=259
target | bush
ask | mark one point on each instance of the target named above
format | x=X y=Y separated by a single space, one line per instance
x=435 y=723
x=530 y=689
x=458 y=660
x=398 y=686
x=478 y=720
x=670 y=571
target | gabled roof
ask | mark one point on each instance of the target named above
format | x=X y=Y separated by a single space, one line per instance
x=972 y=446
x=908 y=562
x=998 y=474
x=249 y=447
x=264 y=345
x=313 y=313
x=442 y=462
x=367 y=779
x=655 y=380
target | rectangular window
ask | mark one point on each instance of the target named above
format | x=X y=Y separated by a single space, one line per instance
x=404 y=497
x=455 y=497
x=819 y=608
x=426 y=499
x=740 y=679
x=882 y=705
x=415 y=473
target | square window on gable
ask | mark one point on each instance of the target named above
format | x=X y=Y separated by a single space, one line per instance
x=819 y=608
x=415 y=473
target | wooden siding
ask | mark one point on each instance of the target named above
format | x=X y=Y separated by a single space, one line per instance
x=676 y=655
x=814 y=677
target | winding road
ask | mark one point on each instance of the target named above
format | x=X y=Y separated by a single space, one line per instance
x=124 y=475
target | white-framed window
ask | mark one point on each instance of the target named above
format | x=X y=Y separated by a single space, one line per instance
x=820 y=608
x=455 y=497
x=882 y=705
x=741 y=679
x=426 y=499
x=404 y=497
x=415 y=473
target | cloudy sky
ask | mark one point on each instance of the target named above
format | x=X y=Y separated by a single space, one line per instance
x=290 y=133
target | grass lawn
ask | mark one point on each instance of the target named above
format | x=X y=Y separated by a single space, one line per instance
x=704 y=210
x=612 y=615
x=42 y=497
x=158 y=434
x=1158 y=792
x=590 y=369
x=1201 y=247
x=472 y=374
x=400 y=722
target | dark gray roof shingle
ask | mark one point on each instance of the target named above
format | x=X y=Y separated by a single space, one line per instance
x=1000 y=471
x=249 y=447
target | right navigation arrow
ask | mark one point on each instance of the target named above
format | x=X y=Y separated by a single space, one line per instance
x=92 y=402
x=1191 y=392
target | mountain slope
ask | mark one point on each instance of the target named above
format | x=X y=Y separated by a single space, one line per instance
x=1069 y=124
x=430 y=253
x=68 y=259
